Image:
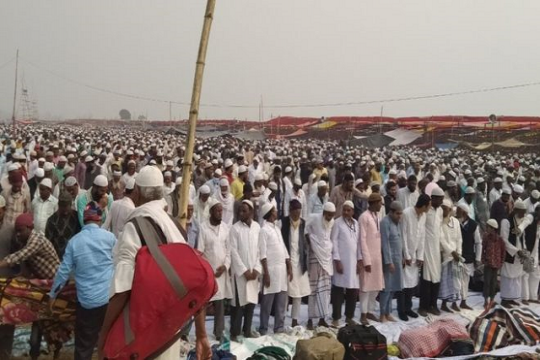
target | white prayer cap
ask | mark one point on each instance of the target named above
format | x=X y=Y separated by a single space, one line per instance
x=214 y=162
x=349 y=204
x=40 y=172
x=153 y=162
x=223 y=182
x=358 y=182
x=535 y=194
x=178 y=180
x=132 y=162
x=70 y=181
x=392 y=172
x=470 y=190
x=480 y=180
x=497 y=180
x=298 y=182
x=273 y=186
x=46 y=182
x=130 y=184
x=442 y=178
x=520 y=205
x=101 y=180
x=447 y=203
x=518 y=189
x=248 y=203
x=265 y=176
x=212 y=202
x=493 y=223
x=242 y=169
x=521 y=178
x=321 y=184
x=266 y=208
x=208 y=165
x=48 y=166
x=167 y=174
x=149 y=176
x=169 y=163
x=88 y=159
x=329 y=207
x=62 y=159
x=259 y=177
x=2 y=201
x=507 y=191
x=71 y=156
x=41 y=160
x=288 y=169
x=117 y=173
x=218 y=172
x=204 y=190
x=228 y=163
x=13 y=167
x=437 y=191
x=84 y=153
x=464 y=207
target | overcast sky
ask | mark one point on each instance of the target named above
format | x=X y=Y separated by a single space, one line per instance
x=287 y=51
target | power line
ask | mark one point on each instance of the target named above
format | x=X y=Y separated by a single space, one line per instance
x=287 y=106
x=6 y=63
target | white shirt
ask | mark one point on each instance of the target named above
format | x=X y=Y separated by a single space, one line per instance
x=315 y=205
x=272 y=248
x=345 y=249
x=245 y=255
x=407 y=198
x=42 y=211
x=118 y=214
x=451 y=239
x=319 y=231
x=213 y=243
x=432 y=248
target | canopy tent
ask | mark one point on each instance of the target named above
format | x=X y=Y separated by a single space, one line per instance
x=402 y=136
x=375 y=141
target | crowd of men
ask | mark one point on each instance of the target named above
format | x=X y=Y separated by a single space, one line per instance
x=275 y=219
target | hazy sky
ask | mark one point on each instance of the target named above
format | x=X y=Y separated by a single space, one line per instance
x=288 y=51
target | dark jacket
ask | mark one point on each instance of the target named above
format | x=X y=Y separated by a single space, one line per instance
x=302 y=246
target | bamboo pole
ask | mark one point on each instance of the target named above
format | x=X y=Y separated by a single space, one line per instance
x=15 y=91
x=194 y=113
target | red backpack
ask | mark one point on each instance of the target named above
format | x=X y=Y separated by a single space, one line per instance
x=172 y=282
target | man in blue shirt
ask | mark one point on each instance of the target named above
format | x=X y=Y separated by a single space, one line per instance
x=89 y=256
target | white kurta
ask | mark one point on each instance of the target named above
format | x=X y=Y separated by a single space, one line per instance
x=213 y=243
x=432 y=249
x=514 y=270
x=118 y=214
x=227 y=202
x=345 y=249
x=201 y=212
x=272 y=248
x=42 y=211
x=407 y=198
x=451 y=239
x=245 y=255
x=300 y=196
x=319 y=231
x=299 y=286
x=413 y=229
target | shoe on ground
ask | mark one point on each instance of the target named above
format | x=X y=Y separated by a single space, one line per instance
x=252 y=335
x=434 y=311
x=390 y=318
x=335 y=323
x=323 y=323
x=294 y=323
x=422 y=312
x=403 y=317
x=351 y=322
x=363 y=320
x=412 y=314
x=309 y=325
x=465 y=306
x=455 y=307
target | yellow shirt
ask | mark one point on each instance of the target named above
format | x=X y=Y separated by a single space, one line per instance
x=237 y=189
x=376 y=177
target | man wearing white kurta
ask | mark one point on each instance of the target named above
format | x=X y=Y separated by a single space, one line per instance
x=246 y=268
x=120 y=210
x=293 y=229
x=408 y=196
x=318 y=230
x=213 y=243
x=413 y=226
x=149 y=198
x=276 y=271
x=431 y=270
x=512 y=232
x=200 y=205
x=345 y=282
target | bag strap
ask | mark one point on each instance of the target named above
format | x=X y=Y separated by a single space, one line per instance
x=146 y=229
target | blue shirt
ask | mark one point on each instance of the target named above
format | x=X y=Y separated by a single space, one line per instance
x=89 y=256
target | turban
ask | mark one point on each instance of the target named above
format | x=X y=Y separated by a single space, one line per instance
x=26 y=220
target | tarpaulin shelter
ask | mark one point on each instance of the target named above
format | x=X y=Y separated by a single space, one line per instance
x=374 y=141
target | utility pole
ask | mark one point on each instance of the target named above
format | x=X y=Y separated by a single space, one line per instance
x=15 y=89
x=194 y=112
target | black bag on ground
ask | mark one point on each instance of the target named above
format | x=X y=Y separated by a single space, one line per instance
x=363 y=343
